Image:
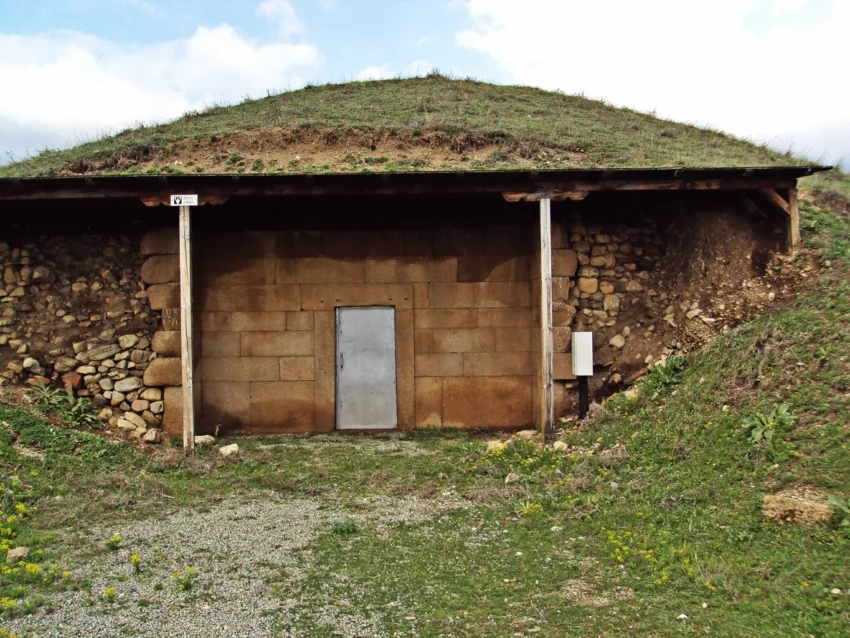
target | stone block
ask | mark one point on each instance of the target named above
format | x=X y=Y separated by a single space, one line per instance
x=564 y=263
x=162 y=241
x=243 y=321
x=418 y=242
x=242 y=246
x=161 y=269
x=164 y=372
x=423 y=341
x=363 y=243
x=277 y=344
x=250 y=298
x=299 y=321
x=297 y=368
x=421 y=296
x=300 y=243
x=452 y=242
x=325 y=367
x=320 y=270
x=496 y=364
x=221 y=344
x=161 y=296
x=439 y=365
x=561 y=288
x=502 y=295
x=429 y=402
x=171 y=319
x=497 y=402
x=588 y=285
x=229 y=269
x=285 y=406
x=327 y=297
x=464 y=340
x=504 y=318
x=411 y=270
x=445 y=318
x=508 y=240
x=167 y=343
x=494 y=268
x=513 y=339
x=560 y=236
x=239 y=369
x=226 y=403
x=562 y=364
x=563 y=316
x=561 y=399
x=172 y=418
x=452 y=295
x=561 y=338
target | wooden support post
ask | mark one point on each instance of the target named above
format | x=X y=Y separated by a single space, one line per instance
x=794 y=238
x=186 y=330
x=547 y=396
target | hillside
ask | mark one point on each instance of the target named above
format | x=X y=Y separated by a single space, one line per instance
x=430 y=123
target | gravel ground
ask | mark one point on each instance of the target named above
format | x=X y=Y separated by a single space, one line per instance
x=235 y=546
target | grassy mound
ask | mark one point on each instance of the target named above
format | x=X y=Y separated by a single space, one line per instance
x=518 y=126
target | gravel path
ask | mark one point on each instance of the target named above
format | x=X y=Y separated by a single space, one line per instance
x=235 y=546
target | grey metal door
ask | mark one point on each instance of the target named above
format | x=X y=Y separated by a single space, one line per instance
x=365 y=368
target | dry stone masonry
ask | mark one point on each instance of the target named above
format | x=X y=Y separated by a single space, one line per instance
x=73 y=312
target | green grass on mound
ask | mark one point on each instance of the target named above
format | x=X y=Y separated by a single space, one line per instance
x=524 y=117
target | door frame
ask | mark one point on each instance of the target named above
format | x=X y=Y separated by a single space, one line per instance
x=337 y=313
x=401 y=297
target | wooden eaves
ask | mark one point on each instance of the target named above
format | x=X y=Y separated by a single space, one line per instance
x=513 y=185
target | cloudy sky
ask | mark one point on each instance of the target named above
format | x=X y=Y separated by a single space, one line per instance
x=769 y=70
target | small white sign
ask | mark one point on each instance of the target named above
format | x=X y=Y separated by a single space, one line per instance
x=184 y=200
x=582 y=354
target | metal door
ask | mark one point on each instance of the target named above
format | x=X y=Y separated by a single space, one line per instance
x=365 y=368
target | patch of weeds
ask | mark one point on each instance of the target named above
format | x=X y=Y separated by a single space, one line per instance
x=136 y=563
x=114 y=543
x=257 y=166
x=109 y=594
x=344 y=528
x=841 y=510
x=760 y=428
x=72 y=410
x=183 y=581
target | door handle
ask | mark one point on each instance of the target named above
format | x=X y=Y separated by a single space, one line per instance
x=341 y=360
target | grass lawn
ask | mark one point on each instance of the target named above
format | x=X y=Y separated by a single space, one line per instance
x=648 y=522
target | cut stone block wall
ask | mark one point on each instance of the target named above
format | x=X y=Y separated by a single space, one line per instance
x=265 y=303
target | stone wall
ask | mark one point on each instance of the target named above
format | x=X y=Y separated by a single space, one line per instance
x=265 y=303
x=73 y=312
x=601 y=282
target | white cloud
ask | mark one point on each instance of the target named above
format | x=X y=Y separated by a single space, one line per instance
x=281 y=13
x=70 y=86
x=425 y=39
x=384 y=71
x=374 y=72
x=691 y=61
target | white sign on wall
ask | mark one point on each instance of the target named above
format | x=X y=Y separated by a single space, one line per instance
x=184 y=200
x=582 y=354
